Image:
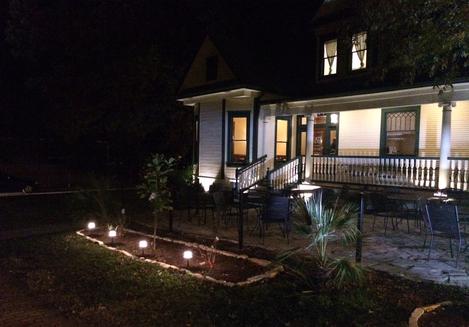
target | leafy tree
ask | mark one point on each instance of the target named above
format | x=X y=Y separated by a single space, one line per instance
x=155 y=187
x=418 y=39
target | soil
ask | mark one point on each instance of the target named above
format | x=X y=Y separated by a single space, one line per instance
x=226 y=268
x=446 y=315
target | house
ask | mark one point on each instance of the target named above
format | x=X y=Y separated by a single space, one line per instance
x=319 y=118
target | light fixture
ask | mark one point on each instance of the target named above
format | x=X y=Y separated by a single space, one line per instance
x=188 y=256
x=112 y=234
x=143 y=244
x=91 y=225
x=334 y=118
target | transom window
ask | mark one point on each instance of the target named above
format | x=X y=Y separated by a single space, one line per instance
x=359 y=51
x=282 y=139
x=400 y=131
x=330 y=57
x=239 y=137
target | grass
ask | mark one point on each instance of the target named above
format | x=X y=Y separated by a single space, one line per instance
x=103 y=288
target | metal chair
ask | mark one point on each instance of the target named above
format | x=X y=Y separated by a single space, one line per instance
x=276 y=211
x=381 y=206
x=441 y=219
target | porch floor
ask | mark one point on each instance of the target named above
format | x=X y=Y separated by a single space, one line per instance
x=398 y=252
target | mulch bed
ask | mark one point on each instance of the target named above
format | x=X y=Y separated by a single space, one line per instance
x=227 y=268
x=446 y=315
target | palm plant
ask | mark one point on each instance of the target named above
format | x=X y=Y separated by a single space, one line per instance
x=323 y=224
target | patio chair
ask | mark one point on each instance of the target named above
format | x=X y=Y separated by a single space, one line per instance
x=378 y=205
x=441 y=219
x=276 y=211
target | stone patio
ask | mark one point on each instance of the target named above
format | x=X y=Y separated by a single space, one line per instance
x=398 y=252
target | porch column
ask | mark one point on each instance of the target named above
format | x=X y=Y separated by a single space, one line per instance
x=445 y=146
x=309 y=146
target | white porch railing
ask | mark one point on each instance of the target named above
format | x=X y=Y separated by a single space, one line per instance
x=250 y=175
x=288 y=173
x=459 y=174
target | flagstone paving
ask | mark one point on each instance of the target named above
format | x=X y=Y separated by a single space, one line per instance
x=397 y=252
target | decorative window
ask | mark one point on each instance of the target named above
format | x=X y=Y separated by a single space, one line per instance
x=330 y=57
x=239 y=137
x=282 y=139
x=400 y=131
x=211 y=68
x=359 y=51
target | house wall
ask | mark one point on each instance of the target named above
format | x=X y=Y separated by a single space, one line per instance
x=360 y=130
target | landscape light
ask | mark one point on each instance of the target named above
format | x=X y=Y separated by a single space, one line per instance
x=112 y=233
x=188 y=256
x=143 y=244
x=91 y=225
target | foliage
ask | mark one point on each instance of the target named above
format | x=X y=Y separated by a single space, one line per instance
x=419 y=38
x=155 y=186
x=210 y=257
x=323 y=225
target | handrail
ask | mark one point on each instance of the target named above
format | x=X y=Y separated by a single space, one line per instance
x=250 y=175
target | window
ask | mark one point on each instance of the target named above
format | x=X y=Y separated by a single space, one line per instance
x=330 y=57
x=301 y=130
x=211 y=68
x=399 y=131
x=239 y=136
x=359 y=50
x=282 y=139
x=326 y=128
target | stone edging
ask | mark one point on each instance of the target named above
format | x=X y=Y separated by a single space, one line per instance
x=267 y=275
x=419 y=312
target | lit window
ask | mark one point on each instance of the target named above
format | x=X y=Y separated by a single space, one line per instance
x=282 y=139
x=239 y=131
x=359 y=51
x=400 y=131
x=330 y=57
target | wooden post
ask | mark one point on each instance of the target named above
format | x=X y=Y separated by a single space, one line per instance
x=361 y=216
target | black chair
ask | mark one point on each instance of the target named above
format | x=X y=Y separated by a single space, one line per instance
x=378 y=205
x=441 y=219
x=276 y=211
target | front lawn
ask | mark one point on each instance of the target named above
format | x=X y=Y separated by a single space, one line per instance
x=109 y=289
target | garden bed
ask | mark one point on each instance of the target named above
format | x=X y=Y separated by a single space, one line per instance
x=229 y=269
x=441 y=314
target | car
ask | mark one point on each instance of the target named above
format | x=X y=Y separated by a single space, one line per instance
x=9 y=183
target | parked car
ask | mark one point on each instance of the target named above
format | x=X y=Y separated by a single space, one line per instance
x=9 y=183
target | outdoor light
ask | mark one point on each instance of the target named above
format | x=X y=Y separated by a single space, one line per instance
x=334 y=118
x=91 y=225
x=188 y=256
x=112 y=233
x=143 y=244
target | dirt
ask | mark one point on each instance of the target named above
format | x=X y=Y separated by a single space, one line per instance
x=447 y=315
x=226 y=268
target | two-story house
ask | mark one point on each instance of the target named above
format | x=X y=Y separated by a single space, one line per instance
x=321 y=119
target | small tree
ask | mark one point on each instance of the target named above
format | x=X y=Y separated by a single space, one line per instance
x=155 y=187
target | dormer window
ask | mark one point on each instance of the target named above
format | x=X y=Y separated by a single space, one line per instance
x=359 y=51
x=211 y=68
x=330 y=57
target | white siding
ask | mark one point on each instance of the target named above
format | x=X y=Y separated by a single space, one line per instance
x=359 y=132
x=210 y=139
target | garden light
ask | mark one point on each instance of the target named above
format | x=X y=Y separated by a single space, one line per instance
x=143 y=244
x=188 y=256
x=112 y=233
x=91 y=225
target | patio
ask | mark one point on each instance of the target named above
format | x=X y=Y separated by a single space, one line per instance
x=396 y=252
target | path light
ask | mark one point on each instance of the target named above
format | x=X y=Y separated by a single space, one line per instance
x=112 y=234
x=188 y=256
x=91 y=225
x=143 y=244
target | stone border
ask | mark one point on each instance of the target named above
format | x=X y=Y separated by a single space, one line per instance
x=419 y=312
x=267 y=275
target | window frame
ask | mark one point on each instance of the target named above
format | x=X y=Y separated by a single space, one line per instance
x=323 y=42
x=229 y=135
x=289 y=139
x=382 y=143
x=211 y=68
x=328 y=126
x=359 y=70
x=300 y=128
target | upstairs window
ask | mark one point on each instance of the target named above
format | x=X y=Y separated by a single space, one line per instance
x=330 y=57
x=211 y=68
x=359 y=51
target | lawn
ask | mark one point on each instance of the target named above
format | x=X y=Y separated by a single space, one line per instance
x=108 y=289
